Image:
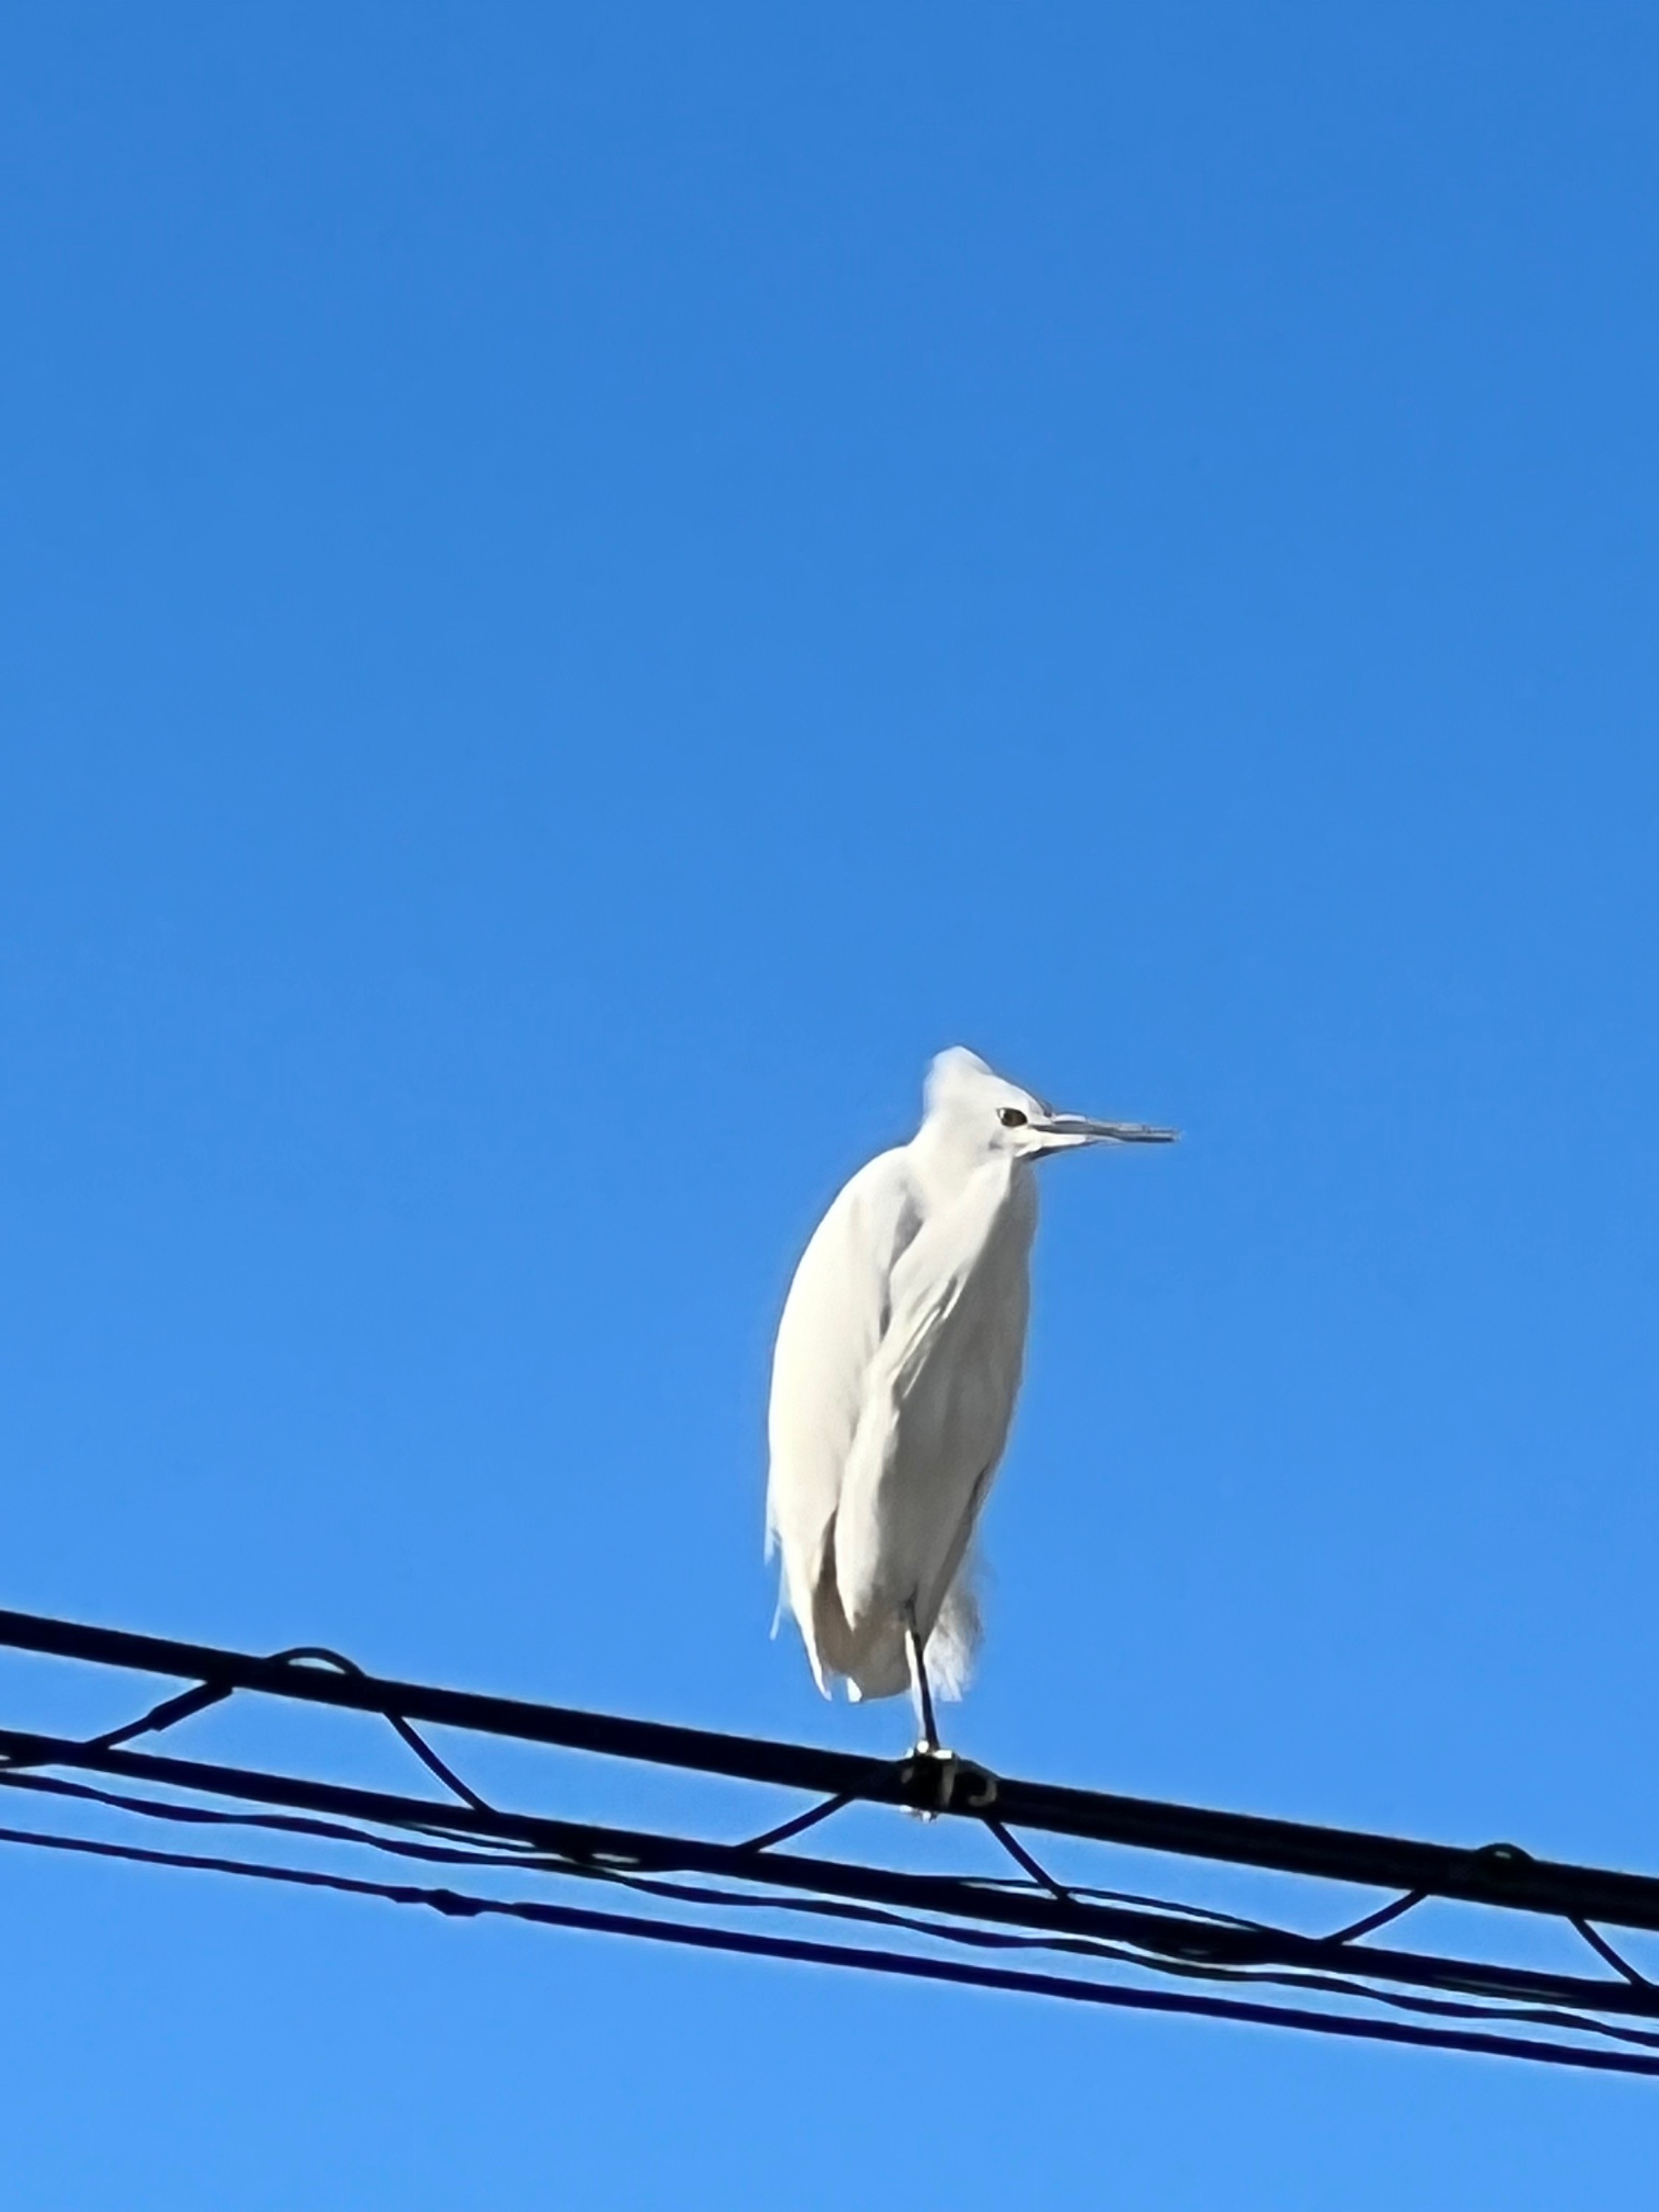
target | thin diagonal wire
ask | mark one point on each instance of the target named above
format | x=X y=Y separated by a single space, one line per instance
x=1018 y=1852
x=796 y=1826
x=417 y=1742
x=1598 y=1941
x=166 y=1714
x=1380 y=1919
x=181 y=1707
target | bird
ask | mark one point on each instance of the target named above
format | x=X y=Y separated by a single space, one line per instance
x=894 y=1376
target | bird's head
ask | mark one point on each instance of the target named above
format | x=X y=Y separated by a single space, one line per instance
x=983 y=1110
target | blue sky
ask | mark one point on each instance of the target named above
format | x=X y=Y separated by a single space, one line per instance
x=584 y=589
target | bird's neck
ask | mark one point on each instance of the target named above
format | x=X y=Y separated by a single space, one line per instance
x=945 y=1159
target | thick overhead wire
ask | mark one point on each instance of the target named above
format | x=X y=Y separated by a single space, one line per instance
x=1499 y=1873
x=1458 y=2004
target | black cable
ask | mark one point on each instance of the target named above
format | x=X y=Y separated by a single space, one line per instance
x=1160 y=1947
x=798 y=1826
x=1597 y=1942
x=1187 y=1937
x=166 y=1714
x=1163 y=1938
x=704 y=1898
x=172 y=1711
x=417 y=1742
x=745 y=1943
x=1021 y=1857
x=1381 y=1918
x=1495 y=1875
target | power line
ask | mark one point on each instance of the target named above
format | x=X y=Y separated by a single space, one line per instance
x=1101 y=1931
x=1498 y=1873
x=456 y=1905
x=1054 y=1913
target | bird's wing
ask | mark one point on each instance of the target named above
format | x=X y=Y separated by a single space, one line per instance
x=940 y=1400
x=837 y=1314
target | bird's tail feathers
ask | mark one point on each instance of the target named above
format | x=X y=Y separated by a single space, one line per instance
x=881 y=1667
x=954 y=1644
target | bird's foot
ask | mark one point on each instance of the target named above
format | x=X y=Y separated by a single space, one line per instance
x=939 y=1781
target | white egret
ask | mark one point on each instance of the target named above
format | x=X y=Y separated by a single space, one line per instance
x=898 y=1361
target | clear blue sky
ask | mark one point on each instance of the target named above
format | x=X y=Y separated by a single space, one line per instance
x=583 y=590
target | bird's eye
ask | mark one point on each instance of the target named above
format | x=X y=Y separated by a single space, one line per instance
x=1010 y=1117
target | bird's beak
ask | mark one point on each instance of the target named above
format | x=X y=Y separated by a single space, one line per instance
x=1067 y=1131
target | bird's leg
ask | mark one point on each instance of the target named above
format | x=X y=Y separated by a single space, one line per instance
x=918 y=1689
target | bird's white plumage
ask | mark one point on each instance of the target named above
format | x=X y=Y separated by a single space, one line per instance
x=897 y=1364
